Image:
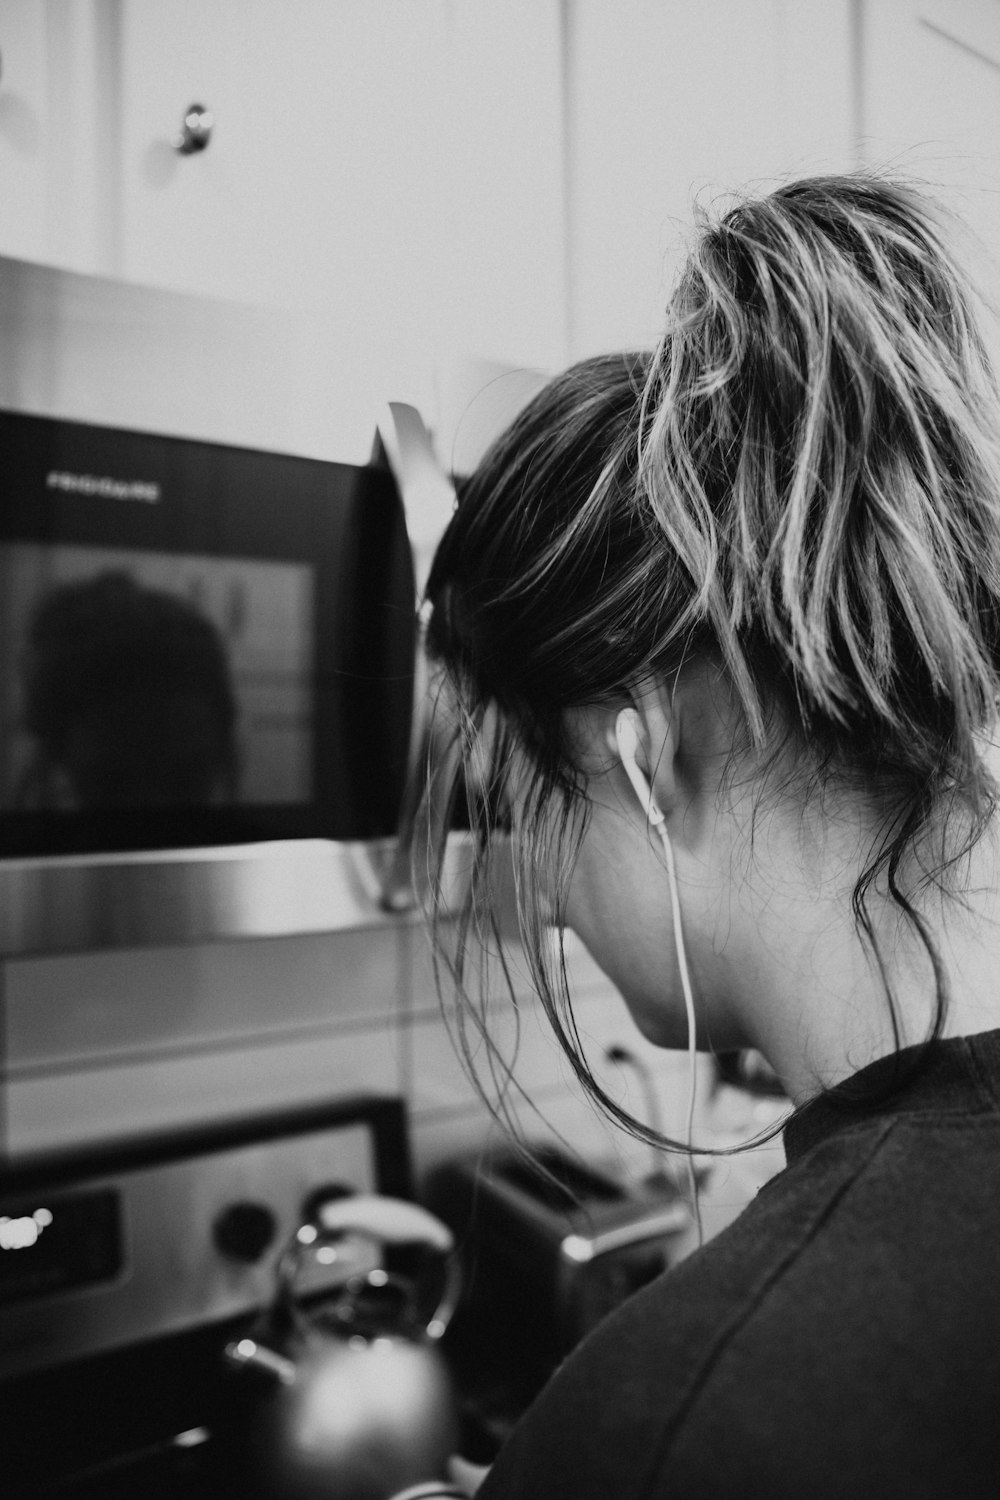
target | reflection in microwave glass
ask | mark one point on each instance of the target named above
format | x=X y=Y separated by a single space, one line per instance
x=142 y=679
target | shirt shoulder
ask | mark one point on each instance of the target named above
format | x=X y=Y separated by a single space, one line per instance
x=778 y=1356
x=611 y=1408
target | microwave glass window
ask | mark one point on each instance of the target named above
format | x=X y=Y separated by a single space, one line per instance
x=145 y=679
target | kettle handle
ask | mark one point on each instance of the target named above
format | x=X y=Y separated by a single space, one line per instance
x=391 y=1221
x=385 y=1221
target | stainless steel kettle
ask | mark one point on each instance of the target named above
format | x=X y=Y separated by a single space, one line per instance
x=358 y=1402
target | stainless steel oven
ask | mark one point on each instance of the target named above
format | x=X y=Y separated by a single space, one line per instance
x=124 y=1273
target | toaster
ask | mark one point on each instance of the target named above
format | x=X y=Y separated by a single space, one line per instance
x=550 y=1245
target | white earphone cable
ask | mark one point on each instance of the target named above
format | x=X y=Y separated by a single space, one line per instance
x=675 y=909
x=626 y=740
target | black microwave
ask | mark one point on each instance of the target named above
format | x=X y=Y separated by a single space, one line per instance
x=199 y=644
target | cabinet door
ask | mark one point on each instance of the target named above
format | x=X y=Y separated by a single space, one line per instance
x=669 y=103
x=391 y=164
x=931 y=108
x=55 y=107
x=314 y=189
x=23 y=85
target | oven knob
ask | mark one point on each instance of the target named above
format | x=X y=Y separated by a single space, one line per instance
x=243 y=1231
x=328 y=1192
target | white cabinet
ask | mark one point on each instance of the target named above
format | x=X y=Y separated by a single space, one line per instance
x=397 y=165
x=52 y=104
x=931 y=108
x=23 y=128
x=432 y=180
x=389 y=173
x=670 y=102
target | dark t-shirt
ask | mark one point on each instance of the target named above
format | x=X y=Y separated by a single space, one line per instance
x=840 y=1338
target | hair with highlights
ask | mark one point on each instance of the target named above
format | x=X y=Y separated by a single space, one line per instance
x=801 y=482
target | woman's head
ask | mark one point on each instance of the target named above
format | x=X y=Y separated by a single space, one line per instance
x=796 y=497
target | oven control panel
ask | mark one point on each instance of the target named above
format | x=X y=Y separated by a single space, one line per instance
x=99 y=1253
x=52 y=1242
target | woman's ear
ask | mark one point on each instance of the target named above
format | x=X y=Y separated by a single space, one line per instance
x=644 y=738
x=627 y=741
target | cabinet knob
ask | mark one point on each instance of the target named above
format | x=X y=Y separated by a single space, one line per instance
x=196 y=130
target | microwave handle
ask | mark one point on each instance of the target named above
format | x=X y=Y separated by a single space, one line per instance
x=429 y=499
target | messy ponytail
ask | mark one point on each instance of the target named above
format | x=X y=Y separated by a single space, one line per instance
x=822 y=456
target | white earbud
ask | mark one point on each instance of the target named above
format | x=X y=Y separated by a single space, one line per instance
x=627 y=740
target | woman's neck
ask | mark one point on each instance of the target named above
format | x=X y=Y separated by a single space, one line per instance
x=821 y=1010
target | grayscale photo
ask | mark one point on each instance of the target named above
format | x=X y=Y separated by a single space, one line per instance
x=499 y=749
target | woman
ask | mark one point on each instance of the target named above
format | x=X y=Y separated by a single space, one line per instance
x=721 y=636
